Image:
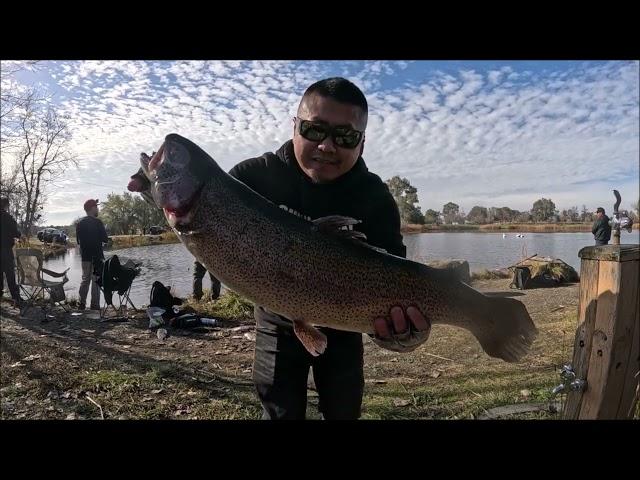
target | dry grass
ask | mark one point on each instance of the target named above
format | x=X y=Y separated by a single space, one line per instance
x=485 y=274
x=47 y=249
x=451 y=377
x=125 y=241
x=230 y=305
x=130 y=373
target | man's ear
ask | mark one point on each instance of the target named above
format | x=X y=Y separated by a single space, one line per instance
x=362 y=145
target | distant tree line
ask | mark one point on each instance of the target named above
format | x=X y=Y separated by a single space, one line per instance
x=542 y=210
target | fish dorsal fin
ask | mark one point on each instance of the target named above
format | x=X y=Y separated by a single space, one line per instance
x=342 y=227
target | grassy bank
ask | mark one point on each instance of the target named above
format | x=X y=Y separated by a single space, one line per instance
x=117 y=241
x=126 y=241
x=47 y=249
x=58 y=368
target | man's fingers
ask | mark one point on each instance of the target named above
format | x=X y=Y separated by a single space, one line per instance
x=381 y=328
x=398 y=320
x=135 y=185
x=418 y=319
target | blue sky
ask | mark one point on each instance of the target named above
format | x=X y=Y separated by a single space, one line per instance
x=491 y=133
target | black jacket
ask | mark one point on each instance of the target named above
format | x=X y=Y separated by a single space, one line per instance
x=90 y=235
x=359 y=194
x=8 y=231
x=601 y=229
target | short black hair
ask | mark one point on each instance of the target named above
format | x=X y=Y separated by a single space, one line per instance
x=341 y=90
x=600 y=209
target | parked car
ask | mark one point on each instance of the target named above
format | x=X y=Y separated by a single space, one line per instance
x=52 y=235
x=156 y=230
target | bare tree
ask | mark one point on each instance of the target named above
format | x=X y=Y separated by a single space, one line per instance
x=17 y=103
x=43 y=157
x=14 y=97
x=12 y=188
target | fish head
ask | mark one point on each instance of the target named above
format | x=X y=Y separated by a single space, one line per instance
x=177 y=173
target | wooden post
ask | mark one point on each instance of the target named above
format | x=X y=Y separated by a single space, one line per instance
x=607 y=345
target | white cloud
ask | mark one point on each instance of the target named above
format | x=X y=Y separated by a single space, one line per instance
x=474 y=137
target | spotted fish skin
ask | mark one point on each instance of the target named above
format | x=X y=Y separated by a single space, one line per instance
x=307 y=273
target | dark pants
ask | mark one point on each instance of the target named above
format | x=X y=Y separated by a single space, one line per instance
x=198 y=275
x=601 y=242
x=281 y=368
x=8 y=266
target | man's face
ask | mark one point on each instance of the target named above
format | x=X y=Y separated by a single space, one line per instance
x=599 y=214
x=325 y=161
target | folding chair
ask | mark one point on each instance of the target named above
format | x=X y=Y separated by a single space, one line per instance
x=116 y=279
x=32 y=282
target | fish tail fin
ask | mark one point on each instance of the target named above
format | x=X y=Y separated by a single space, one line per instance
x=505 y=329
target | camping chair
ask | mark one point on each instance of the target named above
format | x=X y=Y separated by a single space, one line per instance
x=116 y=278
x=32 y=282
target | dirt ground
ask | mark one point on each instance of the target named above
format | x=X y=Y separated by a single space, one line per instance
x=75 y=367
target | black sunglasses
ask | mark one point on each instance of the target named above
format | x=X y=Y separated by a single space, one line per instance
x=343 y=137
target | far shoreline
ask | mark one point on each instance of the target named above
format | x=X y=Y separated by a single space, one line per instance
x=138 y=240
x=502 y=228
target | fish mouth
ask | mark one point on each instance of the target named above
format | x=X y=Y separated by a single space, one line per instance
x=183 y=215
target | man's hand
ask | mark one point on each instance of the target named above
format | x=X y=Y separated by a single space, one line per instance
x=140 y=183
x=398 y=334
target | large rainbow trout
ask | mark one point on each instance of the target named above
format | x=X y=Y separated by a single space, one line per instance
x=315 y=273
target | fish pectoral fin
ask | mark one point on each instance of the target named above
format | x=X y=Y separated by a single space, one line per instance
x=313 y=339
x=335 y=222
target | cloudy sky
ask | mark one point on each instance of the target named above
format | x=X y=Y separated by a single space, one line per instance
x=475 y=133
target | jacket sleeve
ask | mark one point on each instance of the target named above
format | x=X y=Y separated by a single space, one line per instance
x=16 y=230
x=103 y=233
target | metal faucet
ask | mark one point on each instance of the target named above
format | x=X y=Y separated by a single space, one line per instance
x=620 y=219
x=569 y=381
